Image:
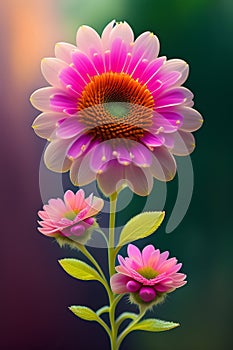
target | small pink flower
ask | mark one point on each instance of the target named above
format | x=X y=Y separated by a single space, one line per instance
x=72 y=217
x=147 y=276
x=115 y=111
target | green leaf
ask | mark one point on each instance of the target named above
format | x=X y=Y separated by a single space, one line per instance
x=141 y=226
x=84 y=312
x=87 y=314
x=79 y=269
x=154 y=325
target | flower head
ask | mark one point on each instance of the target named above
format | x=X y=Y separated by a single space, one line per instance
x=147 y=276
x=115 y=110
x=72 y=218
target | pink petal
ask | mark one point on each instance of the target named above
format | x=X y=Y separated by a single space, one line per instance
x=163 y=256
x=63 y=51
x=146 y=254
x=134 y=253
x=55 y=155
x=123 y=31
x=96 y=207
x=79 y=146
x=118 y=55
x=153 y=140
x=112 y=177
x=141 y=155
x=100 y=156
x=70 y=127
x=118 y=283
x=48 y=232
x=87 y=38
x=163 y=166
x=106 y=35
x=63 y=102
x=80 y=171
x=40 y=99
x=152 y=69
x=192 y=119
x=51 y=68
x=139 y=180
x=173 y=97
x=69 y=76
x=177 y=65
x=83 y=64
x=184 y=143
x=45 y=124
x=166 y=265
x=79 y=199
x=123 y=154
x=154 y=259
x=98 y=62
x=149 y=43
x=167 y=120
x=69 y=198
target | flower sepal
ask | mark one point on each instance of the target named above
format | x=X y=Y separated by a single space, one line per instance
x=75 y=241
x=135 y=298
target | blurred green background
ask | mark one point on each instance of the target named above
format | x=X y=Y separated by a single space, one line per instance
x=35 y=290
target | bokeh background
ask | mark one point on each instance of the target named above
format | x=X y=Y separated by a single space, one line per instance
x=35 y=292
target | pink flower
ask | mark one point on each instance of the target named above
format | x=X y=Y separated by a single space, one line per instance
x=73 y=217
x=147 y=276
x=115 y=110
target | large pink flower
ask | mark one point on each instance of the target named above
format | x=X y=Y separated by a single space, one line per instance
x=147 y=276
x=73 y=217
x=115 y=110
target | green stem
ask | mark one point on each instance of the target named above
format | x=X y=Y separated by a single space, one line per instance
x=111 y=262
x=129 y=328
x=88 y=255
x=111 y=247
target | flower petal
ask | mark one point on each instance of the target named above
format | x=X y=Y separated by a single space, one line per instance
x=51 y=68
x=40 y=99
x=173 y=97
x=69 y=128
x=184 y=143
x=141 y=155
x=138 y=179
x=123 y=31
x=112 y=178
x=163 y=166
x=100 y=156
x=134 y=253
x=148 y=43
x=79 y=146
x=118 y=283
x=64 y=51
x=146 y=254
x=80 y=171
x=192 y=119
x=106 y=34
x=45 y=124
x=55 y=156
x=87 y=39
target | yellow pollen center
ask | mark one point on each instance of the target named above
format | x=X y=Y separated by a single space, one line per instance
x=148 y=272
x=71 y=215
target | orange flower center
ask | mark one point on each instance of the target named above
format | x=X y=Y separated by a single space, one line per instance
x=114 y=105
